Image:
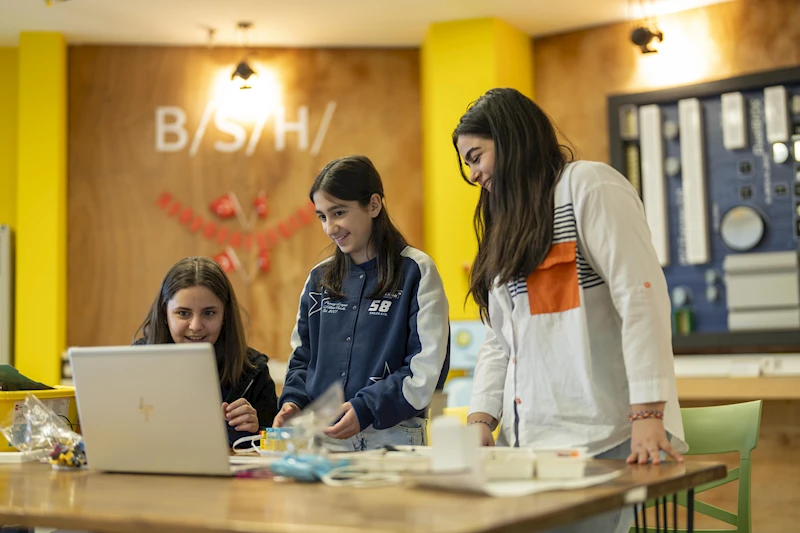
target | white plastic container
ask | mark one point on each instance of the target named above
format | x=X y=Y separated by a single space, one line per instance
x=505 y=464
x=455 y=446
x=561 y=463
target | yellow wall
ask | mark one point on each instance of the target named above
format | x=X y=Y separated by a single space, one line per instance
x=460 y=61
x=514 y=61
x=8 y=136
x=40 y=313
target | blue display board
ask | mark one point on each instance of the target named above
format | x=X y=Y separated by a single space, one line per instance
x=751 y=176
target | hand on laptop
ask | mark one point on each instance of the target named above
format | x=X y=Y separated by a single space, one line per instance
x=288 y=411
x=241 y=415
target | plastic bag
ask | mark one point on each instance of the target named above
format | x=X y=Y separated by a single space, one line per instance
x=298 y=435
x=321 y=414
x=42 y=433
x=305 y=467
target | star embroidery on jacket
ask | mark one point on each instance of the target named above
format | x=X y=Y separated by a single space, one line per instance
x=316 y=307
x=386 y=372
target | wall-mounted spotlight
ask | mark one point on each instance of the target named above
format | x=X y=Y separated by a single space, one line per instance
x=642 y=36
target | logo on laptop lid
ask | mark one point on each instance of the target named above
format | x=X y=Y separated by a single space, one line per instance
x=145 y=409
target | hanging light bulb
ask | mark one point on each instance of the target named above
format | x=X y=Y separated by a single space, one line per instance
x=263 y=94
x=244 y=75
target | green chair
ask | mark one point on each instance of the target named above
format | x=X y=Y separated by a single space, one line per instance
x=722 y=429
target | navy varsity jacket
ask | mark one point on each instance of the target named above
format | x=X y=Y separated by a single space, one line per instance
x=390 y=354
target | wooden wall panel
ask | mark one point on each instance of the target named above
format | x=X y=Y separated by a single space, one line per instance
x=121 y=243
x=577 y=71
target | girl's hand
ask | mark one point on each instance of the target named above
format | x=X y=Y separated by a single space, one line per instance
x=648 y=438
x=347 y=426
x=241 y=415
x=288 y=410
x=487 y=423
x=487 y=439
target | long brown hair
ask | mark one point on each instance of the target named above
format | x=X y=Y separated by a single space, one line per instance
x=355 y=178
x=231 y=345
x=513 y=223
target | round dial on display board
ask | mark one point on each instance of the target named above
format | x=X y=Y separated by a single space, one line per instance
x=742 y=228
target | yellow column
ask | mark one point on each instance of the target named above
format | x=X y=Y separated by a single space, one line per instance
x=8 y=136
x=460 y=61
x=41 y=265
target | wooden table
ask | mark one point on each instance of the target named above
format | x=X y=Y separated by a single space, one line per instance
x=35 y=495
x=740 y=389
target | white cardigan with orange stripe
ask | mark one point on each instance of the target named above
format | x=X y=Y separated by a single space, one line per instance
x=588 y=333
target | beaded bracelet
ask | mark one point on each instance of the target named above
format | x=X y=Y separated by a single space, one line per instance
x=488 y=424
x=642 y=415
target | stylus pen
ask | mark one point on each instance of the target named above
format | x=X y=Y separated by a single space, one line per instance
x=247 y=388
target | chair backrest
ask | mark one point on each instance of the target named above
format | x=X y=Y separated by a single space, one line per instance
x=725 y=429
x=722 y=428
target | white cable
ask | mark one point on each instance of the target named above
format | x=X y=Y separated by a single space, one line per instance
x=359 y=478
x=252 y=447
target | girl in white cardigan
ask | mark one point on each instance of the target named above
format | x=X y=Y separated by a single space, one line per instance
x=579 y=344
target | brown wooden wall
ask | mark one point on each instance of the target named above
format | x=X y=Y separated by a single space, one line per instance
x=577 y=71
x=121 y=243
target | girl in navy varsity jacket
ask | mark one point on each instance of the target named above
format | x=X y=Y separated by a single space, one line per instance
x=373 y=316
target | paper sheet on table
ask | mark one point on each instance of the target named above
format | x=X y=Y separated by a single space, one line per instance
x=20 y=457
x=474 y=482
x=263 y=460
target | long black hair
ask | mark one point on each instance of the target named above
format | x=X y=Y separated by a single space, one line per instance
x=513 y=223
x=231 y=345
x=355 y=178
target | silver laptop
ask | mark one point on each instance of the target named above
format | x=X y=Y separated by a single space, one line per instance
x=151 y=409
